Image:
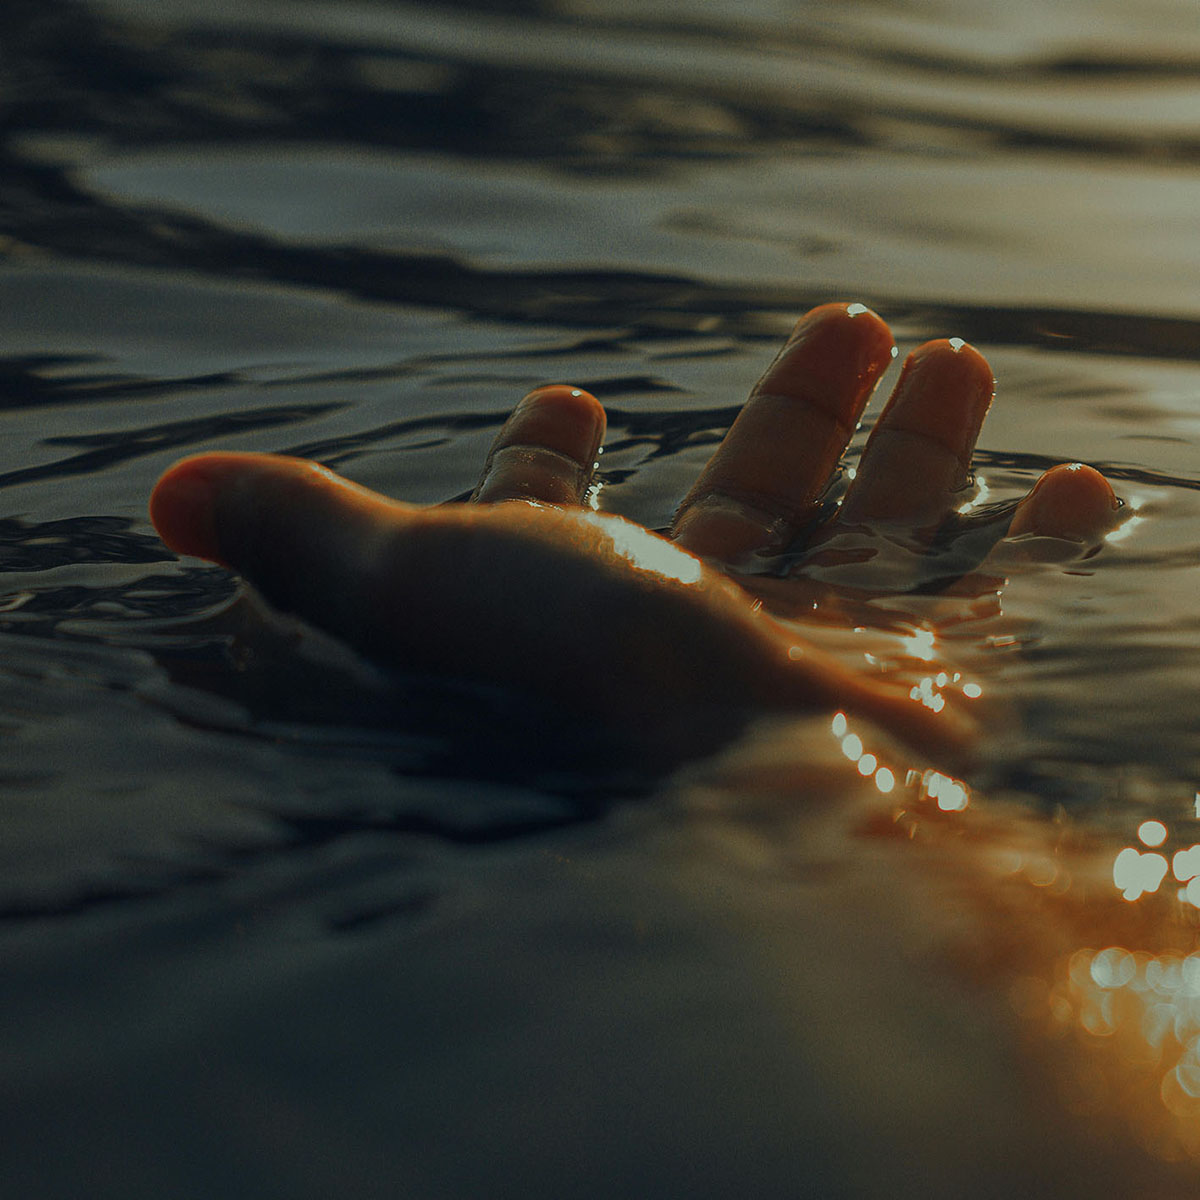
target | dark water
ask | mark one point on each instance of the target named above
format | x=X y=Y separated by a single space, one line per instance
x=273 y=926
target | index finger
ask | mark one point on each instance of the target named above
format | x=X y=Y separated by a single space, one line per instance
x=546 y=451
x=768 y=474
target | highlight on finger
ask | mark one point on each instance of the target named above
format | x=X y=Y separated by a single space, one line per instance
x=768 y=475
x=919 y=453
x=547 y=450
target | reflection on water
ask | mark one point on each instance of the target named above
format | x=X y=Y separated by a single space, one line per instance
x=359 y=232
x=1141 y=1013
x=949 y=794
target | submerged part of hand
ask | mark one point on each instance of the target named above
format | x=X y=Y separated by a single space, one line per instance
x=526 y=587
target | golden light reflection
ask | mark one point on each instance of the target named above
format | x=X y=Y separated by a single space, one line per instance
x=1122 y=1023
x=920 y=644
x=929 y=690
x=925 y=693
x=1138 y=1009
x=1122 y=1018
x=982 y=497
x=950 y=795
x=1137 y=874
x=1133 y=505
x=1146 y=1009
x=1152 y=833
x=591 y=499
x=1186 y=864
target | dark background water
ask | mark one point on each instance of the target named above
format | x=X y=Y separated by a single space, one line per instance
x=272 y=926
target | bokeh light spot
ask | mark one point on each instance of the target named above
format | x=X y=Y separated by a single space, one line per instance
x=1152 y=833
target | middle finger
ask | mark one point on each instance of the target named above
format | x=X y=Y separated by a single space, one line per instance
x=768 y=475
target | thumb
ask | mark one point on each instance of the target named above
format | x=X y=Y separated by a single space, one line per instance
x=302 y=535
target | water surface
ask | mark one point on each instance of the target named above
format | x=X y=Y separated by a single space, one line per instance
x=274 y=925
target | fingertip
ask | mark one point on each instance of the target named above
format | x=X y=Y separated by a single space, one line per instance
x=849 y=310
x=565 y=396
x=847 y=330
x=183 y=508
x=944 y=393
x=202 y=503
x=1072 y=502
x=961 y=357
x=547 y=450
x=834 y=358
x=562 y=418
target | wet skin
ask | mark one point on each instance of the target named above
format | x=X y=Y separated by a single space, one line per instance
x=525 y=586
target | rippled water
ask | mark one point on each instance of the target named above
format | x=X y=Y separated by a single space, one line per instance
x=273 y=926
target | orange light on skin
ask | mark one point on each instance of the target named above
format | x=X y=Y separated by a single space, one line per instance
x=647 y=552
x=1143 y=1006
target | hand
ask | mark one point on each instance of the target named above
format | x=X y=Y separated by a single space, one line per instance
x=527 y=587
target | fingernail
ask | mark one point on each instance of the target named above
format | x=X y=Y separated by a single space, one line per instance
x=850 y=333
x=845 y=346
x=1085 y=480
x=183 y=509
x=560 y=417
x=944 y=392
x=830 y=312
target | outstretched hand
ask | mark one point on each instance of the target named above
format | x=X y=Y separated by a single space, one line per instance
x=526 y=586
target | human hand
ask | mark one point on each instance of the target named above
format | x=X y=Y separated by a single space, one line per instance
x=527 y=587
